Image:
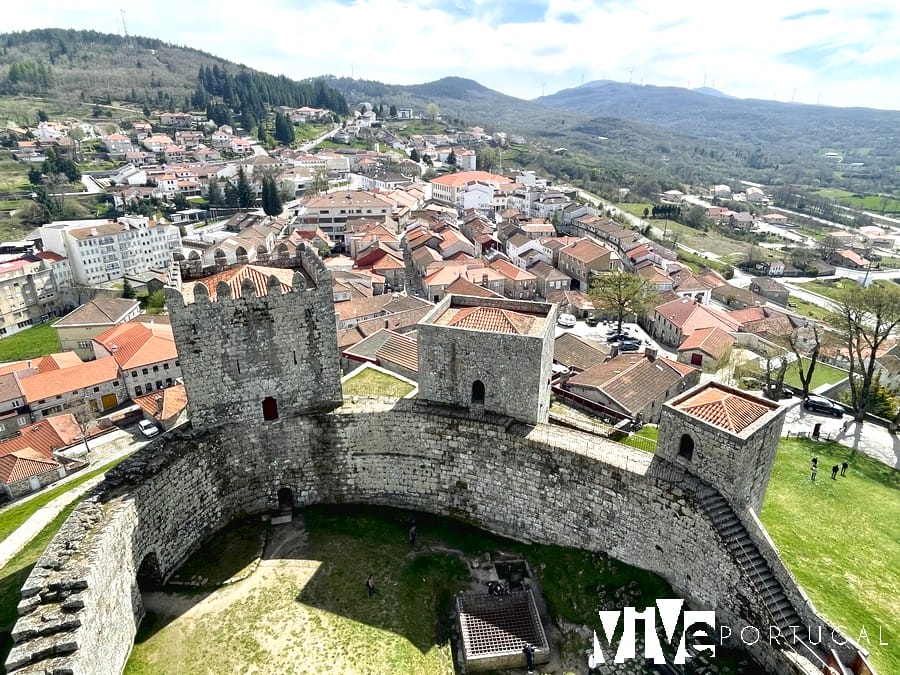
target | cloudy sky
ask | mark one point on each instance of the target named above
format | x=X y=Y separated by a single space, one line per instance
x=844 y=54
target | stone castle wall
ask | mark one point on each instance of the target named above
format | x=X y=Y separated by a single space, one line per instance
x=515 y=369
x=236 y=351
x=543 y=484
x=738 y=465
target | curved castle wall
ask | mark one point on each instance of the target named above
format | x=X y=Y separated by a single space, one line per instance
x=81 y=604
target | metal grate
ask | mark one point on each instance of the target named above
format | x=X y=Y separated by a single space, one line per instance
x=495 y=625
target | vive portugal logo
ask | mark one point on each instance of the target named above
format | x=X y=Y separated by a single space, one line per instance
x=697 y=632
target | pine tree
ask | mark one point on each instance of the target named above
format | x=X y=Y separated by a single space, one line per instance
x=271 y=200
x=245 y=195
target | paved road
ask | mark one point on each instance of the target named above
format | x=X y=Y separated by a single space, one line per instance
x=111 y=446
x=867 y=438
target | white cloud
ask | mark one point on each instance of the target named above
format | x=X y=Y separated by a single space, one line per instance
x=406 y=42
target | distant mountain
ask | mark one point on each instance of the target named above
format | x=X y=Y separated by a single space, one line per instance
x=709 y=91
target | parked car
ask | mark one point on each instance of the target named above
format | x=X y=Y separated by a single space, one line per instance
x=592 y=320
x=821 y=404
x=629 y=346
x=566 y=320
x=617 y=337
x=148 y=428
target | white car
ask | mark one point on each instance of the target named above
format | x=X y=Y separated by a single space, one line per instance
x=566 y=320
x=148 y=428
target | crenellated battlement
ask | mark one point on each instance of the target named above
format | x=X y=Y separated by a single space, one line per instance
x=257 y=342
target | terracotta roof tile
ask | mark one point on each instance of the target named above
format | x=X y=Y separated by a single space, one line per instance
x=136 y=344
x=64 y=380
x=23 y=464
x=174 y=401
x=713 y=341
x=724 y=409
x=491 y=319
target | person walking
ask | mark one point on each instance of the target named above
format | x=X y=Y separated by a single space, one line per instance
x=834 y=471
x=815 y=470
x=844 y=468
x=413 y=533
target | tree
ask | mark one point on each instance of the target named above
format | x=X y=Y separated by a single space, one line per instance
x=451 y=158
x=792 y=339
x=127 y=289
x=156 y=302
x=621 y=292
x=231 y=195
x=271 y=200
x=488 y=159
x=393 y=111
x=432 y=111
x=414 y=155
x=245 y=196
x=214 y=194
x=866 y=317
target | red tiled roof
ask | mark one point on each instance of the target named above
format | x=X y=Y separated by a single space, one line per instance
x=492 y=319
x=174 y=401
x=722 y=408
x=23 y=464
x=255 y=273
x=52 y=433
x=713 y=341
x=65 y=380
x=136 y=344
x=462 y=286
x=463 y=177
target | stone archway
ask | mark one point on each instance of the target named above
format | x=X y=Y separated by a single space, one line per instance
x=478 y=392
x=285 y=500
x=149 y=577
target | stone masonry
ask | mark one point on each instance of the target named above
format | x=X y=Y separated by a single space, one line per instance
x=512 y=359
x=262 y=376
x=235 y=352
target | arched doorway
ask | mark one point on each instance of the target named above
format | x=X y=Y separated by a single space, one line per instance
x=149 y=578
x=686 y=447
x=285 y=500
x=478 y=392
x=270 y=408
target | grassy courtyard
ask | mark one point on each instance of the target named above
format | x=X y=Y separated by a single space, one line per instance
x=372 y=382
x=29 y=343
x=840 y=540
x=306 y=610
x=822 y=374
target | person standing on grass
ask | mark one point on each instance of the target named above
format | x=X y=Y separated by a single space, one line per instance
x=844 y=468
x=413 y=533
x=815 y=470
x=834 y=471
x=370 y=584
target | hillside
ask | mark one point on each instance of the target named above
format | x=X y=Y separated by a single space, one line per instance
x=791 y=137
x=607 y=134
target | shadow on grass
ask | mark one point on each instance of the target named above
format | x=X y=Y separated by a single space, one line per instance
x=416 y=585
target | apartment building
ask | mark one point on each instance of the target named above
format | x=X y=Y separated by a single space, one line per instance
x=28 y=294
x=332 y=211
x=102 y=251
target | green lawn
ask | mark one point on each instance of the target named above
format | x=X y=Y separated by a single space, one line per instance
x=811 y=310
x=13 y=515
x=645 y=439
x=840 y=539
x=635 y=208
x=823 y=374
x=36 y=341
x=327 y=619
x=370 y=382
x=829 y=289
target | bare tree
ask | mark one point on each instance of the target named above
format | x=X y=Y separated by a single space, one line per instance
x=867 y=317
x=793 y=340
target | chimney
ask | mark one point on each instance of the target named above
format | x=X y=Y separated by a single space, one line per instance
x=484 y=281
x=651 y=353
x=159 y=405
x=613 y=350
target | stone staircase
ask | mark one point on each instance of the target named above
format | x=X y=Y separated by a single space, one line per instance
x=779 y=608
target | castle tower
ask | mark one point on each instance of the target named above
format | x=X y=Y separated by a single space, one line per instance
x=725 y=437
x=489 y=353
x=257 y=343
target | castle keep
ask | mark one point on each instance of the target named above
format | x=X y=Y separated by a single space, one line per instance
x=260 y=367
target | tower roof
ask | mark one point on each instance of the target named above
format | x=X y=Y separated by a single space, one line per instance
x=725 y=408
